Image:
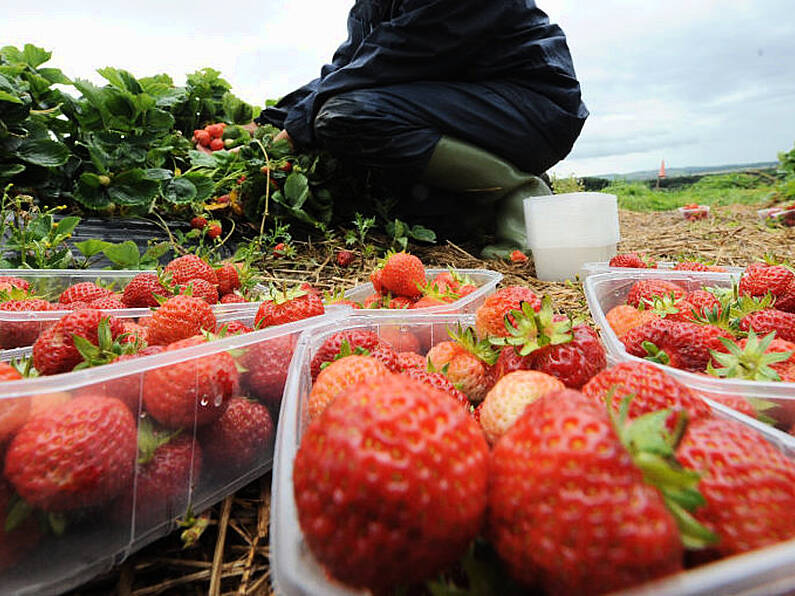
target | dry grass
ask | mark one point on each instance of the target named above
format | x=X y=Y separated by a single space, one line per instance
x=232 y=556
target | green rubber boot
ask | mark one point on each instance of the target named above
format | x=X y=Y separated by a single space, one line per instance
x=496 y=188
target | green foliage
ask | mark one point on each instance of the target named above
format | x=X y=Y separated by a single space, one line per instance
x=566 y=185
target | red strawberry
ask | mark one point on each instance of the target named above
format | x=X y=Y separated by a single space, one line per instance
x=232 y=298
x=398 y=302
x=696 y=266
x=234 y=327
x=216 y=145
x=202 y=137
x=126 y=389
x=441 y=382
x=79 y=305
x=7 y=282
x=214 y=230
x=427 y=302
x=624 y=317
x=198 y=222
x=768 y=320
x=703 y=302
x=266 y=365
x=280 y=249
x=518 y=256
x=188 y=267
x=17 y=334
x=489 y=318
x=574 y=362
x=86 y=291
x=17 y=541
x=375 y=278
x=107 y=303
x=633 y=260
x=466 y=362
x=194 y=391
x=241 y=440
x=373 y=301
x=410 y=514
x=403 y=275
x=228 y=279
x=215 y=130
x=200 y=288
x=89 y=465
x=510 y=361
x=340 y=375
x=365 y=339
x=386 y=356
x=407 y=360
x=287 y=307
x=141 y=291
x=735 y=402
x=180 y=317
x=652 y=389
x=644 y=291
x=344 y=258
x=746 y=481
x=14 y=411
x=760 y=279
x=568 y=509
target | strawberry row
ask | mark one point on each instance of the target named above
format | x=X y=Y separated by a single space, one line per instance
x=403 y=460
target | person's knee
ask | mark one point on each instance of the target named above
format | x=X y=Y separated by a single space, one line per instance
x=341 y=116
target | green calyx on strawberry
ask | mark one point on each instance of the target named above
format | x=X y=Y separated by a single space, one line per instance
x=107 y=349
x=531 y=331
x=744 y=305
x=15 y=293
x=653 y=450
x=655 y=354
x=432 y=290
x=718 y=317
x=666 y=305
x=751 y=362
x=346 y=350
x=283 y=295
x=150 y=440
x=468 y=340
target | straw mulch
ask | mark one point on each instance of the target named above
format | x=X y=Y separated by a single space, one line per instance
x=232 y=555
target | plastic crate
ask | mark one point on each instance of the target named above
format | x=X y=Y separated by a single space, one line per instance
x=18 y=327
x=607 y=290
x=694 y=213
x=485 y=280
x=102 y=535
x=604 y=267
x=295 y=571
x=778 y=216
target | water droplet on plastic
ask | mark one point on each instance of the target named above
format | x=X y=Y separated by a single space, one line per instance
x=218 y=401
x=204 y=401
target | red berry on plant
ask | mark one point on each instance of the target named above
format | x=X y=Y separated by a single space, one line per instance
x=518 y=256
x=214 y=230
x=344 y=258
x=216 y=145
x=198 y=222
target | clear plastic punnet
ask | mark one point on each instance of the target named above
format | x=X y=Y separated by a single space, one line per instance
x=604 y=267
x=296 y=572
x=102 y=461
x=607 y=290
x=20 y=329
x=485 y=280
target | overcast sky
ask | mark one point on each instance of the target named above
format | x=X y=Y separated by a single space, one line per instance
x=694 y=82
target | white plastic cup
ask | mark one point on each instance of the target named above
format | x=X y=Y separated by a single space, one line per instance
x=568 y=230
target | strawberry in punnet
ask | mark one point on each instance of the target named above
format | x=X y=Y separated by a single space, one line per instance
x=233 y=327
x=384 y=353
x=574 y=362
x=644 y=291
x=17 y=537
x=192 y=392
x=427 y=302
x=17 y=334
x=89 y=465
x=200 y=288
x=13 y=411
x=338 y=297
x=632 y=260
x=216 y=145
x=651 y=388
x=403 y=275
x=126 y=389
x=768 y=320
x=407 y=360
x=696 y=266
x=490 y=316
x=735 y=402
x=756 y=359
x=441 y=382
x=142 y=290
x=55 y=351
x=397 y=302
x=287 y=306
x=180 y=317
x=228 y=279
x=509 y=397
x=704 y=302
x=510 y=360
x=265 y=366
x=373 y=301
x=409 y=514
x=375 y=278
x=674 y=310
x=338 y=376
x=760 y=279
x=9 y=282
x=466 y=362
x=569 y=511
x=86 y=291
x=232 y=298
x=240 y=440
x=624 y=317
x=747 y=484
x=107 y=303
x=344 y=258
x=183 y=269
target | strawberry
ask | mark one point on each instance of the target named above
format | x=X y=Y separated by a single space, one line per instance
x=180 y=317
x=411 y=503
x=287 y=307
x=8 y=373
x=107 y=303
x=574 y=362
x=375 y=278
x=427 y=302
x=439 y=381
x=228 y=279
x=54 y=350
x=215 y=130
x=373 y=301
x=232 y=298
x=489 y=318
x=407 y=360
x=214 y=230
x=280 y=249
x=216 y=145
x=233 y=327
x=241 y=440
x=266 y=365
x=466 y=362
x=126 y=389
x=760 y=279
x=386 y=356
x=338 y=376
x=735 y=402
x=89 y=465
x=198 y=223
x=568 y=509
x=194 y=391
x=344 y=258
x=286 y=167
x=142 y=289
x=188 y=267
x=696 y=266
x=79 y=305
x=510 y=361
x=517 y=256
x=679 y=344
x=632 y=260
x=86 y=291
x=398 y=302
x=652 y=390
x=200 y=288
x=404 y=340
x=506 y=401
x=356 y=338
x=202 y=138
x=14 y=411
x=756 y=359
x=403 y=275
x=703 y=302
x=17 y=334
x=746 y=482
x=445 y=281
x=338 y=297
x=644 y=291
x=770 y=319
x=17 y=538
x=7 y=282
x=624 y=317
